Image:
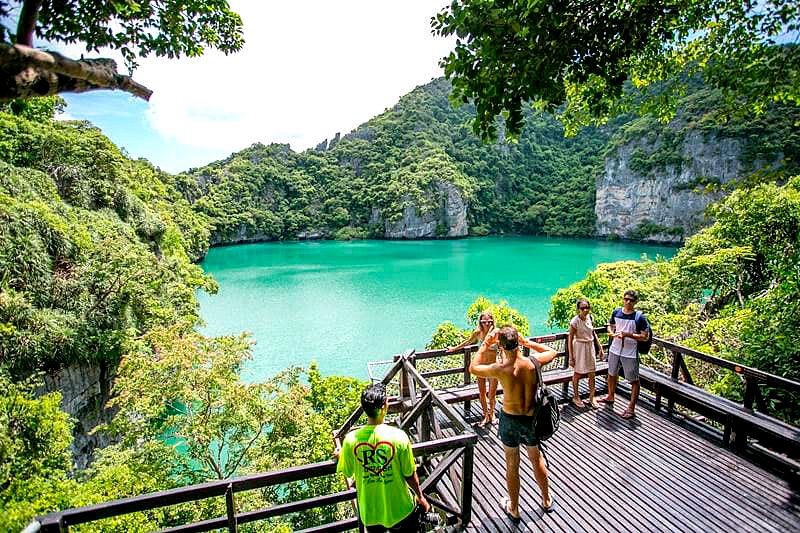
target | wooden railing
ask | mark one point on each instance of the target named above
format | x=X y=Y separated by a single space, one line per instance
x=441 y=437
x=428 y=442
x=418 y=404
x=750 y=417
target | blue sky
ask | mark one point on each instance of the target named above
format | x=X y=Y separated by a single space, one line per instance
x=309 y=69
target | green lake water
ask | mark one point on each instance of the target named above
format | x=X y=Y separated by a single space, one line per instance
x=344 y=304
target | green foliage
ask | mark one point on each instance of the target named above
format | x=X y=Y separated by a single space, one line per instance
x=647 y=228
x=447 y=334
x=504 y=315
x=411 y=156
x=732 y=290
x=34 y=443
x=576 y=57
x=94 y=247
x=137 y=29
x=36 y=109
x=333 y=397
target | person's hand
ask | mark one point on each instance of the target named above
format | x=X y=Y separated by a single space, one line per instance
x=423 y=502
x=602 y=354
x=451 y=349
x=571 y=361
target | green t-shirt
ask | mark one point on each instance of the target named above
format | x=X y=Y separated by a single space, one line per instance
x=379 y=458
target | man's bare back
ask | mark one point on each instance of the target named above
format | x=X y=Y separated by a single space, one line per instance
x=516 y=373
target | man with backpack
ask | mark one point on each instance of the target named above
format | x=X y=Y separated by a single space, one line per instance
x=631 y=334
x=518 y=376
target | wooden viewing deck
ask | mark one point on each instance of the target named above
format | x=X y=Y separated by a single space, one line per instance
x=699 y=463
x=647 y=474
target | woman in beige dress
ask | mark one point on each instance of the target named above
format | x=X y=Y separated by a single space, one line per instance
x=581 y=341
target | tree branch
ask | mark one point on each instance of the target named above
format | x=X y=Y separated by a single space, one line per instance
x=26 y=25
x=26 y=72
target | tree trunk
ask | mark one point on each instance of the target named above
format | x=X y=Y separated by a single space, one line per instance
x=26 y=72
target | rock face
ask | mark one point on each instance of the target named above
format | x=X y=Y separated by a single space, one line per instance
x=669 y=199
x=449 y=219
x=84 y=392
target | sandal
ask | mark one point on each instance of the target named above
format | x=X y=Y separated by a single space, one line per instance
x=550 y=508
x=516 y=519
x=606 y=400
x=627 y=414
x=577 y=402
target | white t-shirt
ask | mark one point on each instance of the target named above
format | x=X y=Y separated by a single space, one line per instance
x=626 y=322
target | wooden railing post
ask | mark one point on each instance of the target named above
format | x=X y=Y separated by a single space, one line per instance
x=677 y=360
x=231 y=508
x=467 y=377
x=750 y=391
x=466 y=484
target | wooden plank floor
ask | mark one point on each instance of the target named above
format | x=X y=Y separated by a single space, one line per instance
x=648 y=474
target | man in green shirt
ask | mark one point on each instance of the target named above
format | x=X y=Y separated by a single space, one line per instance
x=379 y=458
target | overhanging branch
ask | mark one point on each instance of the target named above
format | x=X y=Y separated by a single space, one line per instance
x=27 y=72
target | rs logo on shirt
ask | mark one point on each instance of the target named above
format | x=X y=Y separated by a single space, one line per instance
x=375 y=458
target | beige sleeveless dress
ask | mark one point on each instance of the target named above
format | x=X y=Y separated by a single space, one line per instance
x=583 y=345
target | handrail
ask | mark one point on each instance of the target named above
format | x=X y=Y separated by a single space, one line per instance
x=155 y=500
x=772 y=380
x=460 y=444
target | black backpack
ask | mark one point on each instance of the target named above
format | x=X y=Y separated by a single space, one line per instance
x=642 y=347
x=546 y=414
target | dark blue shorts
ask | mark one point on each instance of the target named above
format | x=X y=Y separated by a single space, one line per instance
x=514 y=430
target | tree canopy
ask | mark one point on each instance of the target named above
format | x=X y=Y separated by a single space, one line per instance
x=168 y=28
x=592 y=60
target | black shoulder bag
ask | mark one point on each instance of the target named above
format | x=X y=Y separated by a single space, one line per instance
x=546 y=414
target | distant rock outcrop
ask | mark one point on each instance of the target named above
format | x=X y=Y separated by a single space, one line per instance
x=663 y=201
x=448 y=220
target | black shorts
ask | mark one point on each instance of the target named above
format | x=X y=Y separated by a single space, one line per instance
x=409 y=524
x=514 y=430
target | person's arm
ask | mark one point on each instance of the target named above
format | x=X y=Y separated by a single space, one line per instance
x=641 y=330
x=413 y=482
x=471 y=340
x=483 y=370
x=570 y=353
x=600 y=352
x=544 y=354
x=612 y=326
x=409 y=471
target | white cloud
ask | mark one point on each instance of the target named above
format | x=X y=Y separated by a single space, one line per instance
x=309 y=69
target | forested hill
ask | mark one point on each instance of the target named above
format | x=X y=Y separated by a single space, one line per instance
x=418 y=171
x=420 y=154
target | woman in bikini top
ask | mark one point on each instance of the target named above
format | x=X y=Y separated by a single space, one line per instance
x=487 y=387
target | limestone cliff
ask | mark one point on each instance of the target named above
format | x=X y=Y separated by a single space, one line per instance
x=642 y=194
x=84 y=392
x=447 y=219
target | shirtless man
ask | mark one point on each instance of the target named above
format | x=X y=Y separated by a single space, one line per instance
x=517 y=375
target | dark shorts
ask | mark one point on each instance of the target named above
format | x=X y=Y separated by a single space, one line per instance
x=515 y=430
x=409 y=524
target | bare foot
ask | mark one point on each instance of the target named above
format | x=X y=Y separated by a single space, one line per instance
x=483 y=423
x=627 y=414
x=594 y=404
x=577 y=402
x=606 y=400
